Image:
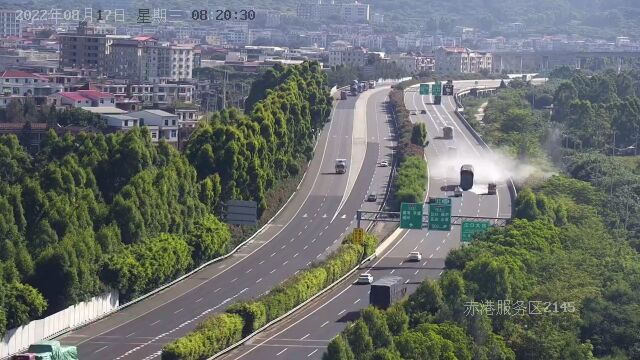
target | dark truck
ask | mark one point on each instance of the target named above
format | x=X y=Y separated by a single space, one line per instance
x=447 y=132
x=343 y=95
x=384 y=292
x=48 y=350
x=353 y=89
x=466 y=177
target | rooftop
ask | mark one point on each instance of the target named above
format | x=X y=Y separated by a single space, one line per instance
x=155 y=112
x=73 y=96
x=104 y=110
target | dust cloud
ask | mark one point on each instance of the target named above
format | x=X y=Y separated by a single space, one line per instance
x=496 y=167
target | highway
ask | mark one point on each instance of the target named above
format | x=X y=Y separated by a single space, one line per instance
x=306 y=333
x=307 y=229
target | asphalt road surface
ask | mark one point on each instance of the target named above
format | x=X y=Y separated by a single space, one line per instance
x=308 y=229
x=306 y=333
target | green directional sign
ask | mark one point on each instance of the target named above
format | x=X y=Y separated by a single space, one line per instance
x=424 y=89
x=471 y=228
x=440 y=214
x=411 y=216
x=436 y=89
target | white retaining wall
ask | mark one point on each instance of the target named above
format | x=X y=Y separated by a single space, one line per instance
x=18 y=339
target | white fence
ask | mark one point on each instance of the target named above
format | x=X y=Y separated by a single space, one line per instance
x=20 y=338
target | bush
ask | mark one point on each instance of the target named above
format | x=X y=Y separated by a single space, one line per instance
x=243 y=318
x=210 y=337
x=411 y=181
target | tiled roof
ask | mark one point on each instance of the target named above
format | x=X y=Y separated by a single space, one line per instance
x=94 y=94
x=17 y=74
x=75 y=96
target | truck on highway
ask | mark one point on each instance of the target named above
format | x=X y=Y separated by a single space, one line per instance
x=364 y=86
x=343 y=95
x=48 y=350
x=372 y=84
x=341 y=166
x=491 y=189
x=466 y=177
x=447 y=132
x=384 y=292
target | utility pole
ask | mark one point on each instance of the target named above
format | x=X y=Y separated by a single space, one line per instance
x=613 y=150
x=224 y=91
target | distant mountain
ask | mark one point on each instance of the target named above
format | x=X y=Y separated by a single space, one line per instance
x=598 y=18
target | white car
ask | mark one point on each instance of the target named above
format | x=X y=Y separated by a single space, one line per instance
x=415 y=256
x=384 y=163
x=457 y=192
x=365 y=279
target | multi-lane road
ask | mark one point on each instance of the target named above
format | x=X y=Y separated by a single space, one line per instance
x=306 y=333
x=307 y=229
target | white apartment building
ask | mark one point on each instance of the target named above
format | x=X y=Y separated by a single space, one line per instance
x=342 y=53
x=161 y=124
x=461 y=60
x=355 y=12
x=9 y=25
x=163 y=93
x=181 y=62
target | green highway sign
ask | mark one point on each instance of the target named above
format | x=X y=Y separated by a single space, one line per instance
x=440 y=214
x=411 y=216
x=471 y=228
x=436 y=89
x=424 y=89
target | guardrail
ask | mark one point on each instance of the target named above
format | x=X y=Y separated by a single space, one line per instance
x=199 y=268
x=337 y=282
x=510 y=184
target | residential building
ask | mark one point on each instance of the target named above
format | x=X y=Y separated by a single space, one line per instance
x=461 y=60
x=30 y=135
x=355 y=12
x=377 y=19
x=9 y=24
x=164 y=93
x=121 y=122
x=342 y=53
x=83 y=98
x=84 y=49
x=187 y=117
x=162 y=125
x=19 y=85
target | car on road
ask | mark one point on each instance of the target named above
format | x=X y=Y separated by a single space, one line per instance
x=413 y=113
x=457 y=192
x=423 y=111
x=491 y=189
x=415 y=256
x=365 y=279
x=372 y=196
x=384 y=163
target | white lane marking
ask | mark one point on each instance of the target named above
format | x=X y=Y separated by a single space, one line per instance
x=440 y=273
x=285 y=263
x=313 y=352
x=305 y=247
x=315 y=180
x=130 y=334
x=424 y=264
x=430 y=256
x=177 y=311
x=406 y=281
x=392 y=271
x=155 y=322
x=325 y=323
x=285 y=349
x=248 y=271
x=304 y=337
x=314 y=240
x=102 y=348
x=234 y=280
x=261 y=262
x=342 y=312
x=272 y=271
x=438 y=248
x=416 y=273
x=283 y=246
x=200 y=299
x=257 y=281
x=357 y=301
x=273 y=254
x=300 y=233
x=296 y=254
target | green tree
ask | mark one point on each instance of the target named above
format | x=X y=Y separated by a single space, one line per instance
x=338 y=349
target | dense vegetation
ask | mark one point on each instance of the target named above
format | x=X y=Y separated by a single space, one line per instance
x=578 y=138
x=559 y=252
x=410 y=182
x=243 y=318
x=344 y=75
x=567 y=253
x=92 y=211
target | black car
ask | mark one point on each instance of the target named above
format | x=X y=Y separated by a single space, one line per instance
x=423 y=111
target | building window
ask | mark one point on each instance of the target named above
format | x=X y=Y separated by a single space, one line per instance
x=173 y=122
x=174 y=133
x=154 y=135
x=166 y=122
x=126 y=123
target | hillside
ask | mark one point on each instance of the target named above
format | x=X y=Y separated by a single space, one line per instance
x=600 y=18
